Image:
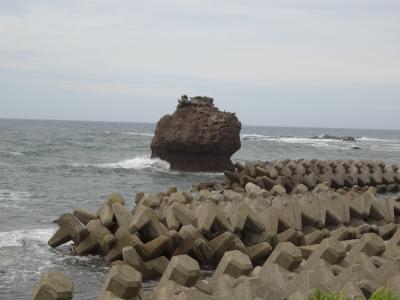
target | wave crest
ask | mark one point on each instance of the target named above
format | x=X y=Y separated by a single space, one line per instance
x=138 y=134
x=137 y=163
x=368 y=139
x=299 y=139
x=15 y=153
x=18 y=238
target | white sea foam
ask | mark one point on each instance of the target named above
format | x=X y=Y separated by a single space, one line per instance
x=368 y=139
x=388 y=148
x=138 y=163
x=252 y=136
x=138 y=133
x=285 y=139
x=15 y=153
x=301 y=140
x=318 y=142
x=18 y=238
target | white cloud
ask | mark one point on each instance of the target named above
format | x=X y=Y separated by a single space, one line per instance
x=270 y=44
x=152 y=48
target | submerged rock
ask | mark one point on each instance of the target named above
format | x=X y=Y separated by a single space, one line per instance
x=197 y=136
x=333 y=137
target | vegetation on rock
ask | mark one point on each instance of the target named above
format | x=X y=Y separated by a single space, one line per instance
x=381 y=294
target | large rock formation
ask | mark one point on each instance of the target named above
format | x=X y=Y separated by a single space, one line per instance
x=197 y=136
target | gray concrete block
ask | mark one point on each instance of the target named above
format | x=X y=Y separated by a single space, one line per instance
x=233 y=263
x=123 y=281
x=286 y=255
x=53 y=286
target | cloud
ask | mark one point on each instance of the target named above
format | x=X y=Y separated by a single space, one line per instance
x=154 y=48
x=279 y=45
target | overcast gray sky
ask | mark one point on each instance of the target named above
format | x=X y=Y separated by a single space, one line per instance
x=331 y=63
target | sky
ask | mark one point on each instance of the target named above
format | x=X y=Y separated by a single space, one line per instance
x=331 y=63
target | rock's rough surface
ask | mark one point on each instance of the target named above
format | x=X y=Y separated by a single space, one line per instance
x=197 y=136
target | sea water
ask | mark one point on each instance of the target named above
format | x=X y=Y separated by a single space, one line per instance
x=51 y=167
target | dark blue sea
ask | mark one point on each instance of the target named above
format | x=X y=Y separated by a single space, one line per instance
x=51 y=167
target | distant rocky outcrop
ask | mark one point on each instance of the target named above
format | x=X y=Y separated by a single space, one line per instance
x=333 y=137
x=197 y=136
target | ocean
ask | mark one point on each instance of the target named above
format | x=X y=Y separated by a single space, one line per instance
x=51 y=167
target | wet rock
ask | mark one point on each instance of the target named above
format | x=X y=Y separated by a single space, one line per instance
x=333 y=137
x=99 y=237
x=197 y=137
x=70 y=229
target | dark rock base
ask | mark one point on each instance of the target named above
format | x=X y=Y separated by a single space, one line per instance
x=197 y=162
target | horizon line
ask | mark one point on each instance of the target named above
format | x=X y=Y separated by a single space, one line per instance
x=247 y=125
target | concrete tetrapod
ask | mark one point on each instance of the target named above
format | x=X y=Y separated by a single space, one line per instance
x=123 y=281
x=53 y=286
x=182 y=271
x=286 y=255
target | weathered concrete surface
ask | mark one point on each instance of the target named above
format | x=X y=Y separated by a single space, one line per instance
x=262 y=244
x=53 y=286
x=123 y=281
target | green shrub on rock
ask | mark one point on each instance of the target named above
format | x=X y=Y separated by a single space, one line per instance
x=385 y=294
x=381 y=294
x=319 y=295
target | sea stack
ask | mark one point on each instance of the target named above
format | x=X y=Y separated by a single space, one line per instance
x=197 y=137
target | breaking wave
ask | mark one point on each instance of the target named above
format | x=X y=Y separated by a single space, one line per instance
x=136 y=163
x=368 y=139
x=19 y=238
x=138 y=134
x=363 y=142
x=255 y=137
x=26 y=255
x=131 y=133
x=15 y=153
x=287 y=139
